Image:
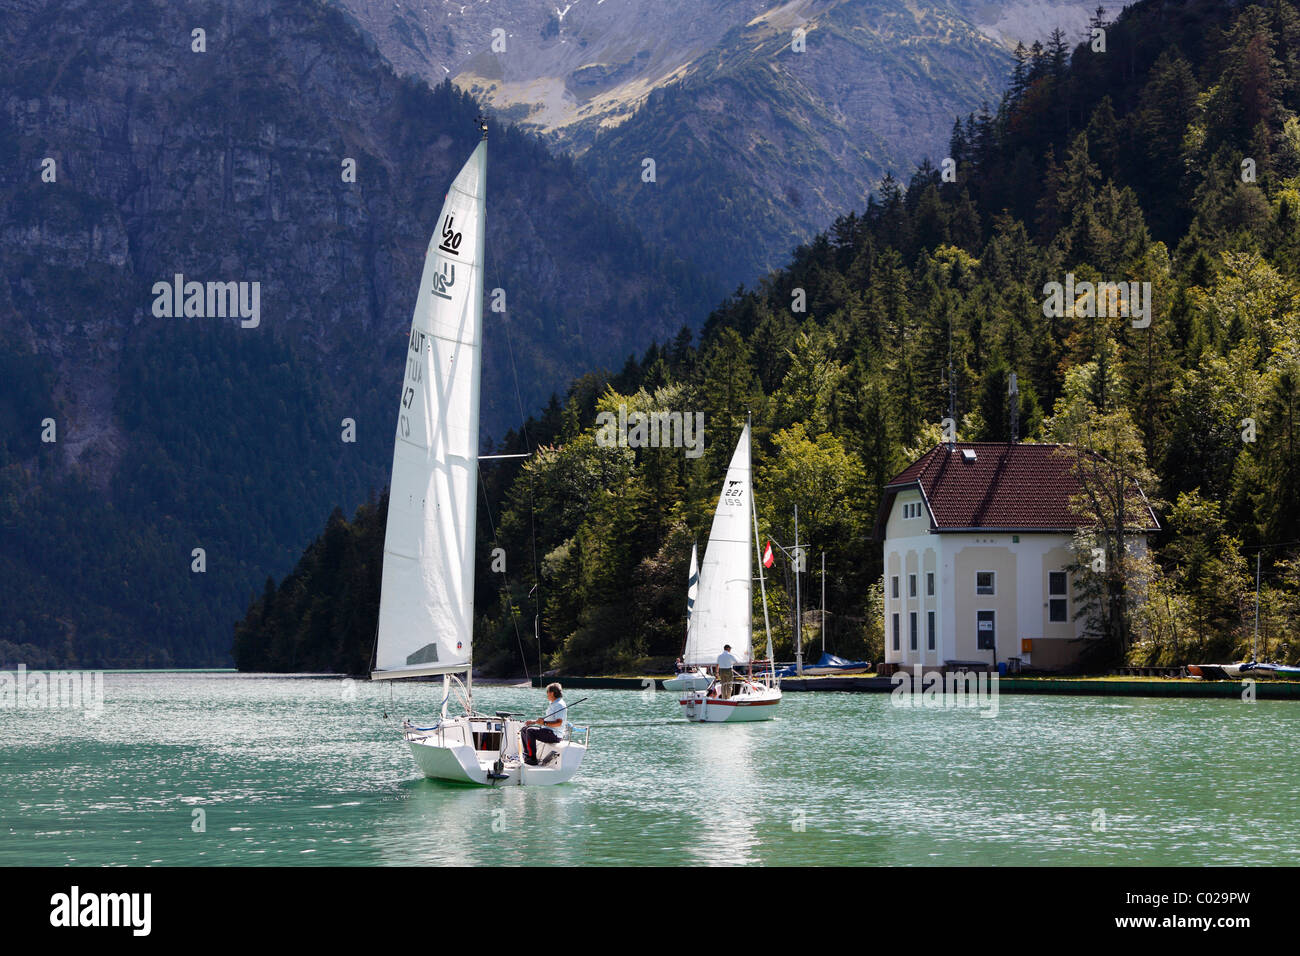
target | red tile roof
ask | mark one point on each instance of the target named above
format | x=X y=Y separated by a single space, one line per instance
x=1024 y=487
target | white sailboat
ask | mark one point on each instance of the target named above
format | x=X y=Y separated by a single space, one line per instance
x=690 y=678
x=722 y=612
x=426 y=606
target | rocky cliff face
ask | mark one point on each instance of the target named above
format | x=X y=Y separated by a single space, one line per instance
x=134 y=148
x=758 y=146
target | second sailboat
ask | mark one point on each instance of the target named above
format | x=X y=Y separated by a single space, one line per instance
x=723 y=610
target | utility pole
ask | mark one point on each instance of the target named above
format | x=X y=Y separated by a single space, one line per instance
x=823 y=603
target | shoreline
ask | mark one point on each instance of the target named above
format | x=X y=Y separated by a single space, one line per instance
x=1074 y=686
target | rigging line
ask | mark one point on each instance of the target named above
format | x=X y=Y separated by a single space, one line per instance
x=1250 y=549
x=532 y=478
x=510 y=603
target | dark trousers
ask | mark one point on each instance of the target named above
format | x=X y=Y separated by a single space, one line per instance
x=530 y=736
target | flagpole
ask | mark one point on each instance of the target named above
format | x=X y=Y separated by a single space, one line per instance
x=798 y=604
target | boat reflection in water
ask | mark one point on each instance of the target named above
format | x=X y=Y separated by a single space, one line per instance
x=721 y=762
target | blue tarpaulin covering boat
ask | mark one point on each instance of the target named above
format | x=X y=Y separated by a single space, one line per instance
x=827 y=664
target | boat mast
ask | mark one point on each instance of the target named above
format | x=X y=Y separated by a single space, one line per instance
x=762 y=585
x=1255 y=640
x=477 y=291
x=749 y=447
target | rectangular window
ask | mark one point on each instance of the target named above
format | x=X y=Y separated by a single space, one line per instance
x=895 y=630
x=893 y=586
x=1058 y=607
x=984 y=582
x=911 y=629
x=929 y=630
x=985 y=637
x=911 y=585
x=929 y=583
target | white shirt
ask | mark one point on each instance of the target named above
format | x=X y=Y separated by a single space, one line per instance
x=557 y=710
x=726 y=661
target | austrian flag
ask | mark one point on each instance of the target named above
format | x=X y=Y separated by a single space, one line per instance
x=768 y=559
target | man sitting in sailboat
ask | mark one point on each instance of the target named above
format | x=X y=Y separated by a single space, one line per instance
x=547 y=730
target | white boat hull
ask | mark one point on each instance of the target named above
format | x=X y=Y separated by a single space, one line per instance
x=747 y=705
x=688 y=682
x=447 y=752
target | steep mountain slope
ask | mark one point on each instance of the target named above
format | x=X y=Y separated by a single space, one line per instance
x=570 y=69
x=758 y=146
x=129 y=156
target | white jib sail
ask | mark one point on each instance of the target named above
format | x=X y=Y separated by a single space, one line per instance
x=722 y=609
x=426 y=607
x=692 y=584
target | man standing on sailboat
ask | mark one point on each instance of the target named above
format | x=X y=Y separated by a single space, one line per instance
x=722 y=617
x=548 y=729
x=726 y=669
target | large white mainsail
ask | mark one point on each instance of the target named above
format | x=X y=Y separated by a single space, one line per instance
x=722 y=610
x=426 y=607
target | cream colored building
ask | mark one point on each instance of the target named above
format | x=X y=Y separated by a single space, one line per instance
x=976 y=557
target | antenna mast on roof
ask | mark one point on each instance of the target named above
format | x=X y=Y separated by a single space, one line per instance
x=952 y=395
x=1013 y=391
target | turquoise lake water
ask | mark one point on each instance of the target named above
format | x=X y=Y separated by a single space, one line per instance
x=290 y=771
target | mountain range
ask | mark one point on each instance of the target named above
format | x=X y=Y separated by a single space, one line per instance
x=760 y=136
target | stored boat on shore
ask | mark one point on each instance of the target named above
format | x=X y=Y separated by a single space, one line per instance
x=1245 y=669
x=827 y=664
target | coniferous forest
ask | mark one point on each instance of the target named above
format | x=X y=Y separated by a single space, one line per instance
x=1171 y=157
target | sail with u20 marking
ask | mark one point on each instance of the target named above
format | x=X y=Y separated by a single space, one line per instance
x=426 y=606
